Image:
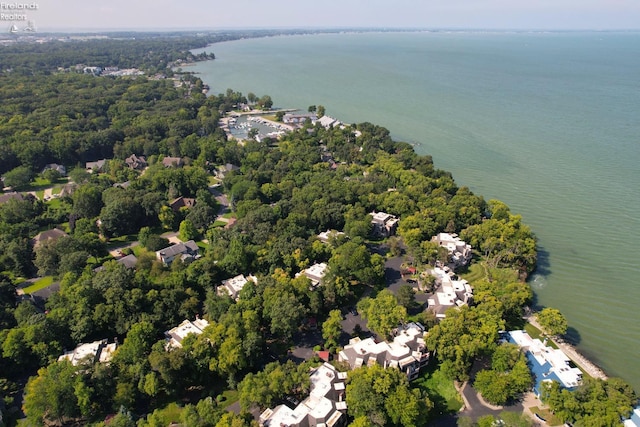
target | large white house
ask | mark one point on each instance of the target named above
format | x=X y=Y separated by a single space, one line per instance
x=384 y=224
x=97 y=351
x=233 y=286
x=315 y=273
x=459 y=251
x=324 y=407
x=546 y=363
x=175 y=335
x=406 y=352
x=451 y=292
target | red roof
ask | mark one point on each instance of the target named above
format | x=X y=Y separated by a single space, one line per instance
x=324 y=355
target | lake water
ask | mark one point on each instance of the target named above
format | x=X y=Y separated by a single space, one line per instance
x=547 y=122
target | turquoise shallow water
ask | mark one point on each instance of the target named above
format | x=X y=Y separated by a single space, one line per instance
x=547 y=122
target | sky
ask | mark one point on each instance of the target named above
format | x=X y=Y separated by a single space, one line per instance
x=216 y=14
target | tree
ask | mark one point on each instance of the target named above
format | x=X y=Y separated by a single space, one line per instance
x=552 y=321
x=384 y=397
x=51 y=175
x=320 y=111
x=331 y=329
x=51 y=397
x=18 y=178
x=407 y=296
x=382 y=313
x=464 y=334
x=188 y=231
x=87 y=201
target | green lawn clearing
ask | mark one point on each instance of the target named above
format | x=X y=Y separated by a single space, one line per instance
x=440 y=389
x=547 y=416
x=39 y=284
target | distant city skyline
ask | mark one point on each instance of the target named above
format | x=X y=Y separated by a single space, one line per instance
x=80 y=15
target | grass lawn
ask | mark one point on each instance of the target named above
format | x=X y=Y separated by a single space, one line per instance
x=536 y=333
x=218 y=223
x=230 y=215
x=229 y=397
x=121 y=240
x=476 y=272
x=39 y=284
x=546 y=415
x=440 y=389
x=168 y=415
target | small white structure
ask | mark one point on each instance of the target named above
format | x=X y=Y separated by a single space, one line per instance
x=459 y=251
x=384 y=224
x=176 y=335
x=233 y=286
x=97 y=351
x=406 y=352
x=324 y=407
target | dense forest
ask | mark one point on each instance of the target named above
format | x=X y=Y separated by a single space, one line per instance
x=282 y=194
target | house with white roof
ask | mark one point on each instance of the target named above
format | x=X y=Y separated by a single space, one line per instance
x=634 y=420
x=325 y=406
x=315 y=273
x=451 y=292
x=327 y=122
x=97 y=351
x=326 y=235
x=406 y=352
x=459 y=251
x=175 y=335
x=234 y=285
x=384 y=224
x=546 y=363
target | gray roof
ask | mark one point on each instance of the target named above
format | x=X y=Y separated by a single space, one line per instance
x=129 y=261
x=8 y=196
x=180 y=248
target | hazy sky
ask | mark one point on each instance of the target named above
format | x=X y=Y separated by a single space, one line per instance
x=216 y=14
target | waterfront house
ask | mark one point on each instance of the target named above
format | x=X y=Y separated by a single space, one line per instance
x=298 y=119
x=546 y=363
x=459 y=251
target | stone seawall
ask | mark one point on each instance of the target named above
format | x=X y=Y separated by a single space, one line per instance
x=585 y=364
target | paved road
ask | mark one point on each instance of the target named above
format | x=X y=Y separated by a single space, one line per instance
x=394 y=280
